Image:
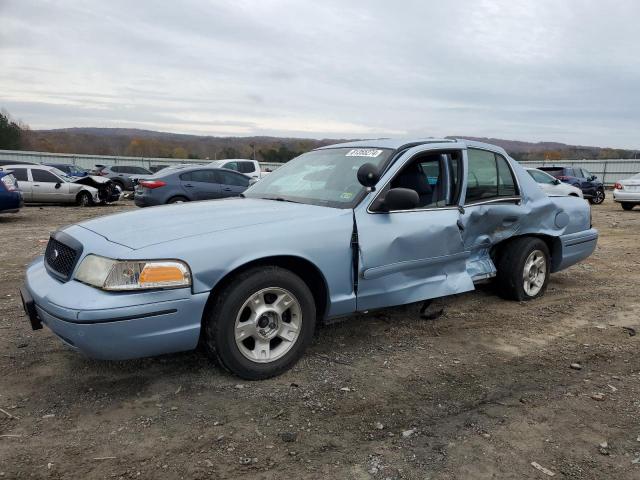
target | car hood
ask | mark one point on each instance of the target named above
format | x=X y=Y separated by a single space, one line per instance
x=92 y=180
x=149 y=226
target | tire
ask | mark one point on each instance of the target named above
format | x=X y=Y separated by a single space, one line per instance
x=178 y=199
x=627 y=206
x=598 y=198
x=83 y=199
x=513 y=264
x=239 y=343
x=120 y=184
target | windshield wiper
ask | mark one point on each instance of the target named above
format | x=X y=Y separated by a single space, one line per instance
x=279 y=199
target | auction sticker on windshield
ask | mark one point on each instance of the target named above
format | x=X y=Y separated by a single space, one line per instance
x=364 y=152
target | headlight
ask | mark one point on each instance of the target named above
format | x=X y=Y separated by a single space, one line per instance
x=109 y=274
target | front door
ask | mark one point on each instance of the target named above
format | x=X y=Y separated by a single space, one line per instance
x=413 y=255
x=47 y=187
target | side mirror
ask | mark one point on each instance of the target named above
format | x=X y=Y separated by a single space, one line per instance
x=253 y=181
x=592 y=178
x=400 y=199
x=557 y=182
x=368 y=175
x=58 y=185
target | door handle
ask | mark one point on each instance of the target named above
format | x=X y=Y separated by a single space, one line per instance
x=189 y=185
x=509 y=220
x=226 y=189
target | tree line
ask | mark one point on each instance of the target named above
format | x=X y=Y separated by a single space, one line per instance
x=15 y=135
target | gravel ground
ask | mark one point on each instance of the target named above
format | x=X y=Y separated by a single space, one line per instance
x=482 y=392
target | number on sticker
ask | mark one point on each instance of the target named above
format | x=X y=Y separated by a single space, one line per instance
x=364 y=152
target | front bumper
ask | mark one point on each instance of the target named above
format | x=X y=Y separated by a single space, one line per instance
x=110 y=325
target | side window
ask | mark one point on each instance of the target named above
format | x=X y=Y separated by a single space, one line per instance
x=434 y=177
x=204 y=176
x=246 y=167
x=489 y=177
x=231 y=166
x=506 y=182
x=116 y=169
x=228 y=178
x=43 y=176
x=20 y=174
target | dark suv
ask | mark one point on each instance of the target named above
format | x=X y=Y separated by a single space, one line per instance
x=592 y=188
x=122 y=175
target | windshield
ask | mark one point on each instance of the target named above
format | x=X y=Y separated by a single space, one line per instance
x=321 y=177
x=61 y=174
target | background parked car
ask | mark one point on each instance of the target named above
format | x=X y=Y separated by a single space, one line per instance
x=174 y=185
x=43 y=184
x=123 y=175
x=68 y=168
x=627 y=192
x=592 y=188
x=552 y=186
x=248 y=167
x=10 y=197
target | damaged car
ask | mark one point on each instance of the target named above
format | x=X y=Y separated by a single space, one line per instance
x=44 y=184
x=345 y=228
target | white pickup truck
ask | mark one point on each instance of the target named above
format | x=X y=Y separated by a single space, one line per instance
x=248 y=167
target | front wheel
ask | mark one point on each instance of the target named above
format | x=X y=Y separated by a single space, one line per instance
x=523 y=269
x=598 y=198
x=261 y=323
x=84 y=199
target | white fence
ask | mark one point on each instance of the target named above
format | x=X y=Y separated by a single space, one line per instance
x=89 y=161
x=609 y=170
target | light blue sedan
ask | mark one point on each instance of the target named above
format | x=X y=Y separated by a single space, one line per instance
x=344 y=228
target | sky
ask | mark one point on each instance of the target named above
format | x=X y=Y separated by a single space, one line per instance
x=537 y=70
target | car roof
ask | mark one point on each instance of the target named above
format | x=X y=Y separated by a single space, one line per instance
x=32 y=166
x=404 y=143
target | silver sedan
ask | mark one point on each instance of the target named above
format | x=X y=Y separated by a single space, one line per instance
x=627 y=192
x=552 y=186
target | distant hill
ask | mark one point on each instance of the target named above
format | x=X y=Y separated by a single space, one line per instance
x=149 y=143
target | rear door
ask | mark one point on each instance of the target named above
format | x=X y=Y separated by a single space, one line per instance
x=231 y=184
x=201 y=184
x=24 y=182
x=492 y=209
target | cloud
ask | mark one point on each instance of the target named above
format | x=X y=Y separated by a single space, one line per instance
x=541 y=70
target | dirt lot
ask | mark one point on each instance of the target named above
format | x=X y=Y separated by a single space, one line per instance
x=481 y=392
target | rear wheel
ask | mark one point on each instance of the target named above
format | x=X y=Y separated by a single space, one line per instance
x=627 y=206
x=83 y=199
x=523 y=269
x=178 y=200
x=598 y=198
x=119 y=183
x=261 y=323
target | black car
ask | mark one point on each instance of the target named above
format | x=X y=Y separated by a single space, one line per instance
x=183 y=184
x=592 y=188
